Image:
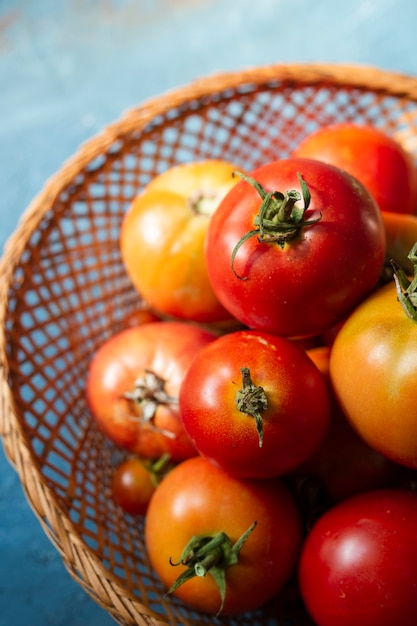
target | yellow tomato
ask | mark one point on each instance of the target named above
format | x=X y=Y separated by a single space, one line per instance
x=163 y=235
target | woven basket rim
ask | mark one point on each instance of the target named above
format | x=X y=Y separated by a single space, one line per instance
x=134 y=119
x=352 y=75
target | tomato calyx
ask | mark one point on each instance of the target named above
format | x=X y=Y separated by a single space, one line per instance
x=210 y=554
x=251 y=400
x=279 y=219
x=406 y=288
x=204 y=201
x=148 y=394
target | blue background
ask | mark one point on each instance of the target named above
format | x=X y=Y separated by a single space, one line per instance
x=68 y=68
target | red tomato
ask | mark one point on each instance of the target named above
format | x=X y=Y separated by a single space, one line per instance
x=376 y=159
x=133 y=387
x=359 y=563
x=134 y=482
x=306 y=270
x=254 y=404
x=198 y=500
x=345 y=464
x=162 y=239
x=373 y=368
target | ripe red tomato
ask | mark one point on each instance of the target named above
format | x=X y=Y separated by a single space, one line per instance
x=254 y=404
x=162 y=239
x=198 y=500
x=133 y=387
x=306 y=270
x=373 y=368
x=345 y=464
x=376 y=159
x=134 y=481
x=359 y=563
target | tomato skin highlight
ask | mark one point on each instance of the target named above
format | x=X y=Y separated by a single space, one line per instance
x=376 y=159
x=359 y=563
x=164 y=348
x=196 y=498
x=295 y=421
x=373 y=369
x=316 y=278
x=162 y=240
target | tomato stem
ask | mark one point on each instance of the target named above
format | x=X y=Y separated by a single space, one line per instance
x=148 y=394
x=159 y=469
x=204 y=201
x=252 y=399
x=406 y=288
x=279 y=219
x=212 y=554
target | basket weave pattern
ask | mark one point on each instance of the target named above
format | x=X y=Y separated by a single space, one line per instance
x=64 y=290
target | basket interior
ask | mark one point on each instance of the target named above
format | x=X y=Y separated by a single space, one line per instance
x=69 y=292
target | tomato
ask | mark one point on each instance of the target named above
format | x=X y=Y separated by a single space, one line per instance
x=134 y=481
x=307 y=269
x=376 y=159
x=142 y=315
x=344 y=464
x=254 y=404
x=198 y=500
x=133 y=387
x=401 y=234
x=162 y=239
x=359 y=563
x=373 y=368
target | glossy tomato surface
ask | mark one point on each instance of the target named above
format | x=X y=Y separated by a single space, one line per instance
x=196 y=498
x=358 y=565
x=219 y=405
x=373 y=369
x=305 y=284
x=133 y=386
x=162 y=239
x=371 y=155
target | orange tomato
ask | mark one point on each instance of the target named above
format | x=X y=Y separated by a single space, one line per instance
x=373 y=369
x=401 y=235
x=373 y=157
x=162 y=240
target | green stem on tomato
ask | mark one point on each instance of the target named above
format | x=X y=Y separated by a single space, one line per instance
x=159 y=468
x=212 y=554
x=279 y=219
x=406 y=288
x=252 y=400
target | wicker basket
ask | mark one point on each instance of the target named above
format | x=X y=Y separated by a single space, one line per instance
x=64 y=290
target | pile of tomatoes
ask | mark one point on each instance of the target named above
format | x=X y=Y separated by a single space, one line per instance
x=265 y=397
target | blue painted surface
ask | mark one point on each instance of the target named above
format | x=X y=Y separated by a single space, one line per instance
x=67 y=69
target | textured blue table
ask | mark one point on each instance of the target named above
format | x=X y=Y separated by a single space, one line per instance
x=67 y=69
